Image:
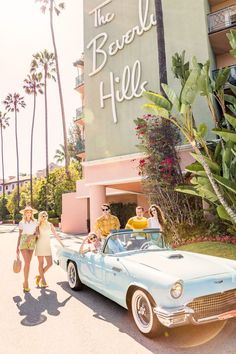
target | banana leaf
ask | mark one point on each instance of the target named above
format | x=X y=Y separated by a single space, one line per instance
x=158 y=100
x=225 y=134
x=231 y=119
x=223 y=213
x=170 y=93
x=213 y=165
x=156 y=110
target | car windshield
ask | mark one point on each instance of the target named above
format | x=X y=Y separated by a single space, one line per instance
x=128 y=240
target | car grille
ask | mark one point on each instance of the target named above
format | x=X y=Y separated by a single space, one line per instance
x=215 y=304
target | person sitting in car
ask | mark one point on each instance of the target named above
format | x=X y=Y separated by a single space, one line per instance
x=115 y=245
x=90 y=244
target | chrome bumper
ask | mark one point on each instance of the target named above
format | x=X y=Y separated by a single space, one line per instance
x=185 y=315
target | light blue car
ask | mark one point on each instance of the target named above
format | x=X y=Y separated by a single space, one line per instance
x=160 y=286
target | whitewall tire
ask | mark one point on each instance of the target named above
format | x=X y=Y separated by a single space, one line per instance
x=143 y=315
x=73 y=277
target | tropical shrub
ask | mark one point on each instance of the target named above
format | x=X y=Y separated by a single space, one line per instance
x=214 y=169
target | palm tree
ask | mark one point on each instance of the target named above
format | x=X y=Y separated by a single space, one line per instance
x=3 y=124
x=53 y=6
x=161 y=44
x=43 y=65
x=60 y=154
x=13 y=103
x=32 y=86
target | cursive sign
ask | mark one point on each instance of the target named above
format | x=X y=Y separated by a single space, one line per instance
x=129 y=85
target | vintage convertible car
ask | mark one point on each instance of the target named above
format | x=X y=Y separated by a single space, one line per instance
x=160 y=286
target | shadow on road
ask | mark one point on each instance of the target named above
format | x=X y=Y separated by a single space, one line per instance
x=208 y=338
x=32 y=309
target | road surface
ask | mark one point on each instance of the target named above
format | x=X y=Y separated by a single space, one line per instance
x=57 y=320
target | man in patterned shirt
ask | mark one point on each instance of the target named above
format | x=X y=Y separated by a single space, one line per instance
x=105 y=223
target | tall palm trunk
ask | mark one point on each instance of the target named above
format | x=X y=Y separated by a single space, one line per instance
x=31 y=151
x=161 y=44
x=3 y=172
x=60 y=90
x=46 y=135
x=163 y=78
x=17 y=163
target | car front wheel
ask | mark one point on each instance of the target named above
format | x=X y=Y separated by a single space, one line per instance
x=143 y=315
x=73 y=277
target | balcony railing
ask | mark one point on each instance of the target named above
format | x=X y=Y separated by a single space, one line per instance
x=80 y=146
x=79 y=113
x=232 y=76
x=79 y=80
x=222 y=19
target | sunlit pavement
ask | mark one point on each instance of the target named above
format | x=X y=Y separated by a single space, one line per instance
x=59 y=320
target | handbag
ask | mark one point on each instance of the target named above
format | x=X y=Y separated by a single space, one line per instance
x=17 y=265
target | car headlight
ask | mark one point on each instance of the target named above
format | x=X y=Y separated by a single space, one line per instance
x=176 y=290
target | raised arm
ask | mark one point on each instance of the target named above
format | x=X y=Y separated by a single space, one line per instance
x=55 y=234
x=82 y=250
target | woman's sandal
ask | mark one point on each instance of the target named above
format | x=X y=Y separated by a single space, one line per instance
x=26 y=290
x=42 y=285
x=37 y=280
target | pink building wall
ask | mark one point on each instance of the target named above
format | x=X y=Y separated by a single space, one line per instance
x=99 y=186
x=74 y=214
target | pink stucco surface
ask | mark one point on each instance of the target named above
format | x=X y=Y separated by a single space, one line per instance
x=74 y=214
x=82 y=190
x=121 y=174
x=111 y=171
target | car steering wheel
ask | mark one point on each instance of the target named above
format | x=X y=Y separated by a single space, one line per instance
x=146 y=245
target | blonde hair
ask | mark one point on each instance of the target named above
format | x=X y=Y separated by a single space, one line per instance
x=24 y=216
x=41 y=220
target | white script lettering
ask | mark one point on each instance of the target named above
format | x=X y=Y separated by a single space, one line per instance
x=145 y=24
x=99 y=19
x=131 y=86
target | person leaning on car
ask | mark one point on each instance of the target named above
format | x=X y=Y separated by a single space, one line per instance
x=138 y=222
x=105 y=223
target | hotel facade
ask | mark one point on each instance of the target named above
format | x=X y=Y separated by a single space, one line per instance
x=120 y=62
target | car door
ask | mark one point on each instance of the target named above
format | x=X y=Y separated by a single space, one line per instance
x=91 y=270
x=116 y=278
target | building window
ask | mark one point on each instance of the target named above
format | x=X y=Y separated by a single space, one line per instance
x=6 y=188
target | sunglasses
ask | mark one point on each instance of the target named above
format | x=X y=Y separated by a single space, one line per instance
x=105 y=209
x=92 y=238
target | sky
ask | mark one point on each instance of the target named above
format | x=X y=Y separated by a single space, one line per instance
x=24 y=31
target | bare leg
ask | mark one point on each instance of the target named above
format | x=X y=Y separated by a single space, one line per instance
x=49 y=263
x=27 y=255
x=41 y=270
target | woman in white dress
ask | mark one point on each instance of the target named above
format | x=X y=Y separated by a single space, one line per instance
x=156 y=221
x=26 y=241
x=43 y=247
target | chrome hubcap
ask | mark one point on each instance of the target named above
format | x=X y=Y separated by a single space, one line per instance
x=143 y=311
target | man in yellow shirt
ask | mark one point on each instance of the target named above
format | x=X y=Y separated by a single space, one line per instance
x=138 y=222
x=105 y=223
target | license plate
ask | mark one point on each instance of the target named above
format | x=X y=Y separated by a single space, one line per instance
x=226 y=315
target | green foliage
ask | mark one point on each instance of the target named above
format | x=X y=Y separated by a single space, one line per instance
x=3 y=208
x=55 y=186
x=160 y=167
x=213 y=176
x=217 y=249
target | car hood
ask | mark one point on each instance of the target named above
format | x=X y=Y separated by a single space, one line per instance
x=185 y=265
